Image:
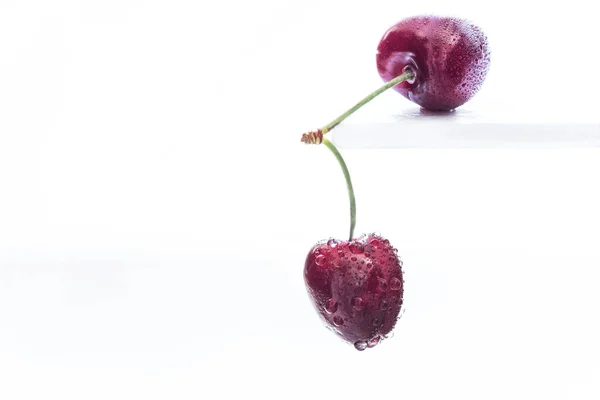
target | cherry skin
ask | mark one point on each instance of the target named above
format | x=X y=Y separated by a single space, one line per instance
x=449 y=56
x=356 y=287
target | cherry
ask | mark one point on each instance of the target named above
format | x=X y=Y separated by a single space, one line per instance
x=449 y=57
x=356 y=286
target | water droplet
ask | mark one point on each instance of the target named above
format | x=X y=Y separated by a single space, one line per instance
x=356 y=248
x=320 y=260
x=331 y=306
x=395 y=284
x=358 y=303
x=338 y=321
x=369 y=265
x=375 y=242
x=373 y=342
x=382 y=285
x=360 y=345
x=332 y=243
x=383 y=305
x=353 y=259
x=376 y=322
x=341 y=253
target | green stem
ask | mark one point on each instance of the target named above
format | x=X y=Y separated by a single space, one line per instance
x=342 y=163
x=316 y=137
x=406 y=76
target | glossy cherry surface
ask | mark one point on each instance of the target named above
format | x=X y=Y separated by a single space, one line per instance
x=449 y=56
x=356 y=287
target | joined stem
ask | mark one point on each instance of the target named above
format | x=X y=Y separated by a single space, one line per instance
x=316 y=137
x=342 y=163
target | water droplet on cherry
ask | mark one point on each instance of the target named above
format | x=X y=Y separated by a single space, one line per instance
x=395 y=283
x=331 y=306
x=358 y=303
x=338 y=321
x=375 y=242
x=356 y=247
x=320 y=260
x=360 y=345
x=333 y=243
x=383 y=305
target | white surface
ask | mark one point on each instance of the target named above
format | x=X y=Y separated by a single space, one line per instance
x=156 y=207
x=413 y=127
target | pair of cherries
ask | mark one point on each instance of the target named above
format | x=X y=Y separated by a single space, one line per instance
x=357 y=285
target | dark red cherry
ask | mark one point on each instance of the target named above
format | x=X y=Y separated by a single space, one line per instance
x=356 y=287
x=449 y=56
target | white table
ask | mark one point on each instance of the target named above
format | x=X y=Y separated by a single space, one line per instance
x=378 y=125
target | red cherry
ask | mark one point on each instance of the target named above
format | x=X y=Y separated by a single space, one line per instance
x=449 y=57
x=356 y=287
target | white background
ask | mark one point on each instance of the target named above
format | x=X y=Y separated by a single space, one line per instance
x=156 y=206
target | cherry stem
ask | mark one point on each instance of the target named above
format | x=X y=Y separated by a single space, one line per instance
x=316 y=137
x=342 y=163
x=406 y=76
